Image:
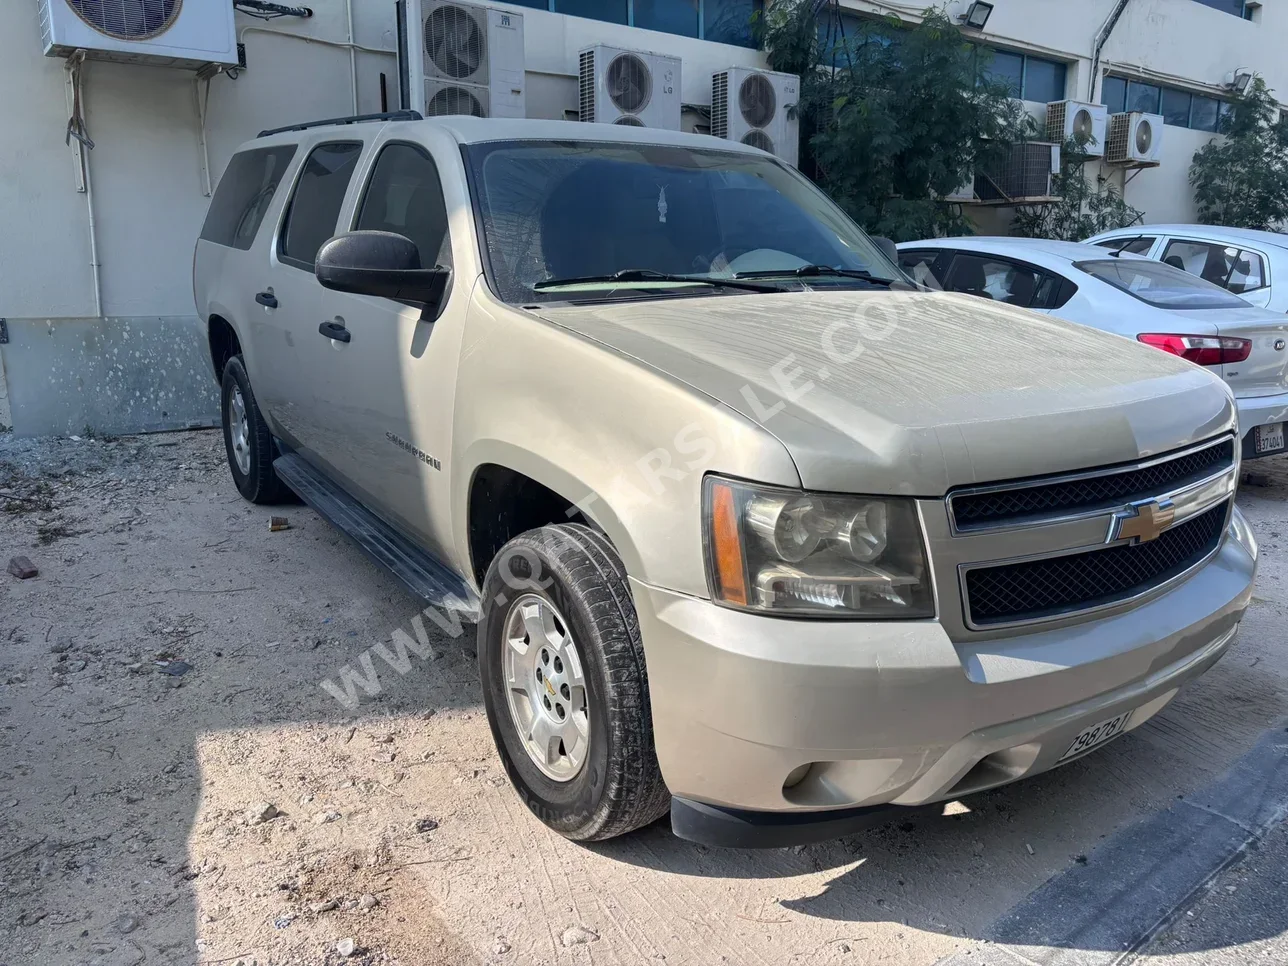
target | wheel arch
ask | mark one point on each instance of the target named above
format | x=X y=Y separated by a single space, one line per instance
x=508 y=490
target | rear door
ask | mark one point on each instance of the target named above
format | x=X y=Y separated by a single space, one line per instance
x=1242 y=271
x=1005 y=280
x=288 y=338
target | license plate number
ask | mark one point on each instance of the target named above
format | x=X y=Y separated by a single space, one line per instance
x=1270 y=438
x=1097 y=735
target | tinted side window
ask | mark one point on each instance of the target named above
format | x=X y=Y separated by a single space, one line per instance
x=1248 y=274
x=927 y=266
x=1224 y=265
x=315 y=207
x=405 y=196
x=244 y=194
x=1000 y=281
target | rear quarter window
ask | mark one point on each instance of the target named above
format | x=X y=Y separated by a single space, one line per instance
x=244 y=194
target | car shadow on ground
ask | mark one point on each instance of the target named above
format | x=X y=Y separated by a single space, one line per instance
x=129 y=795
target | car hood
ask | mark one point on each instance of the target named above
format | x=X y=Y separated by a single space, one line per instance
x=914 y=392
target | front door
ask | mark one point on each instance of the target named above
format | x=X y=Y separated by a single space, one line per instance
x=286 y=333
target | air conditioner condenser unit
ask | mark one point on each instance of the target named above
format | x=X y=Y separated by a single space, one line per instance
x=163 y=33
x=633 y=88
x=461 y=58
x=1077 y=120
x=757 y=107
x=1134 y=138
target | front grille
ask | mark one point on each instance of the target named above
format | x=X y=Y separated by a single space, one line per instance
x=973 y=510
x=1057 y=585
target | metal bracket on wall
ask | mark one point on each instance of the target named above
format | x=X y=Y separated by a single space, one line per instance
x=4 y=332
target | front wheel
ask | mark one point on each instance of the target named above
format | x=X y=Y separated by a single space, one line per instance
x=565 y=685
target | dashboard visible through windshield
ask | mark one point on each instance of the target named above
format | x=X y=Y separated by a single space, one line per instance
x=574 y=220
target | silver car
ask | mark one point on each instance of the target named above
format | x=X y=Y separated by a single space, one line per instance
x=1153 y=303
x=1246 y=262
x=751 y=528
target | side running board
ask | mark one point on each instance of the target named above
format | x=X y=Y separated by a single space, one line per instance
x=424 y=574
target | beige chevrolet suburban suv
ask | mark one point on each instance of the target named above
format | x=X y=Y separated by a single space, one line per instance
x=752 y=528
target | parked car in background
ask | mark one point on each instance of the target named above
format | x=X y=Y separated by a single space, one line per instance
x=751 y=529
x=1245 y=262
x=1134 y=297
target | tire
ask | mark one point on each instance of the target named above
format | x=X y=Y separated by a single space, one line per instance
x=619 y=786
x=256 y=480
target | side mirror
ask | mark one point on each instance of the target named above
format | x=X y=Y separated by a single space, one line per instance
x=887 y=248
x=379 y=263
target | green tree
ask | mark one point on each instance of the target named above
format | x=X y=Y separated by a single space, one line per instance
x=893 y=117
x=1241 y=180
x=1086 y=206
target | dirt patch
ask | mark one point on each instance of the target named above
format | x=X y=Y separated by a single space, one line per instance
x=176 y=667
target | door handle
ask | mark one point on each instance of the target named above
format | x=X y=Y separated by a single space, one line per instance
x=266 y=299
x=335 y=330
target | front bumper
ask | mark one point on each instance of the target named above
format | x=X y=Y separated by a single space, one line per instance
x=1260 y=411
x=898 y=713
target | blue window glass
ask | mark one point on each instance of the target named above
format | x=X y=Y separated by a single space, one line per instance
x=1142 y=97
x=669 y=16
x=534 y=4
x=1007 y=68
x=1226 y=6
x=1176 y=107
x=729 y=21
x=1113 y=93
x=613 y=11
x=1204 y=112
x=836 y=34
x=1043 y=80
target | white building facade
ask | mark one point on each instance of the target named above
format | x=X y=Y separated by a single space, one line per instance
x=100 y=331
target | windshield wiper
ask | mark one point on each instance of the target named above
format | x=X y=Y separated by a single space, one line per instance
x=648 y=275
x=813 y=271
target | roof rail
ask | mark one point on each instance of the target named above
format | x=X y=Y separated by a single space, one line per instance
x=353 y=119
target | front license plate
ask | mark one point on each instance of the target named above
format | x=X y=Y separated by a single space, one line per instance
x=1269 y=438
x=1097 y=735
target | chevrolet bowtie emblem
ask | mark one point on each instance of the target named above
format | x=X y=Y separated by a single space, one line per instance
x=1142 y=522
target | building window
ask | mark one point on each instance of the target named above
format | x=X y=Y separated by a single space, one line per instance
x=669 y=16
x=1237 y=7
x=1113 y=94
x=729 y=21
x=1030 y=78
x=1176 y=107
x=840 y=32
x=1143 y=97
x=1179 y=107
x=720 y=21
x=612 y=11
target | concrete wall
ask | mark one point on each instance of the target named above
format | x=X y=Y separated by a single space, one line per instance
x=66 y=359
x=64 y=362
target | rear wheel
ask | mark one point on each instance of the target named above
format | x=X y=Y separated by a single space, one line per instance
x=247 y=439
x=565 y=686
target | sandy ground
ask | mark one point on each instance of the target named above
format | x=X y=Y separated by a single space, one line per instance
x=133 y=797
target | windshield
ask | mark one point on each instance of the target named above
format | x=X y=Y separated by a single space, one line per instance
x=584 y=210
x=1161 y=285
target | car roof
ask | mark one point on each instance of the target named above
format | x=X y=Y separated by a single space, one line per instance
x=1217 y=233
x=476 y=130
x=1026 y=249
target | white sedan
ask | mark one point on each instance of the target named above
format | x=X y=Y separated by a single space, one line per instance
x=1243 y=261
x=1136 y=298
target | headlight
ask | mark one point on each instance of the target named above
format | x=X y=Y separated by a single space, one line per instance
x=789 y=552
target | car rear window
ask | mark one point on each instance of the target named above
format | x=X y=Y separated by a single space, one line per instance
x=1160 y=285
x=244 y=194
